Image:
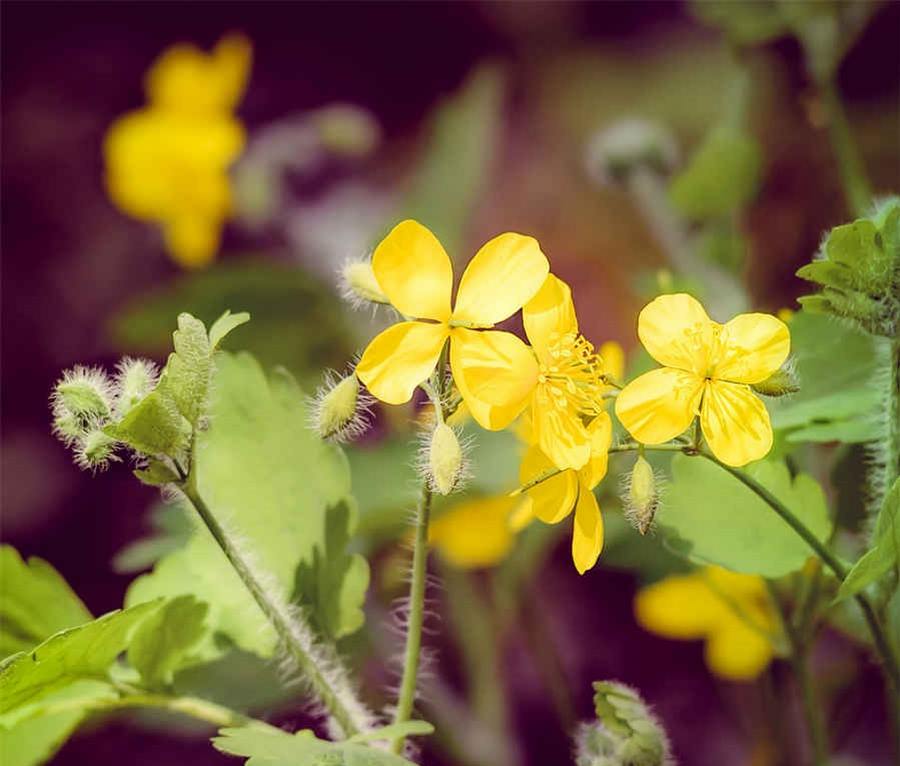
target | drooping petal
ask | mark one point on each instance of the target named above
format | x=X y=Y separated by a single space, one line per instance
x=553 y=499
x=493 y=370
x=600 y=433
x=400 y=358
x=677 y=332
x=735 y=423
x=414 y=272
x=587 y=531
x=679 y=606
x=736 y=651
x=659 y=405
x=504 y=274
x=751 y=348
x=559 y=431
x=475 y=533
x=549 y=314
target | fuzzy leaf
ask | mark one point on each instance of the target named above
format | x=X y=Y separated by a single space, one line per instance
x=189 y=368
x=273 y=747
x=154 y=425
x=224 y=325
x=164 y=641
x=884 y=555
x=710 y=517
x=37 y=602
x=275 y=506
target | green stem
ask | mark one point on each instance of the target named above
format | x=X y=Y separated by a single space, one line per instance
x=296 y=639
x=853 y=173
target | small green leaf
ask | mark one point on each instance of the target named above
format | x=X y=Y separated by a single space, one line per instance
x=154 y=426
x=189 y=368
x=37 y=602
x=710 y=517
x=224 y=325
x=394 y=731
x=273 y=747
x=884 y=555
x=172 y=528
x=156 y=474
x=164 y=641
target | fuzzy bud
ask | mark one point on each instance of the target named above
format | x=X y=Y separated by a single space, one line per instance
x=781 y=383
x=359 y=286
x=95 y=450
x=81 y=399
x=626 y=146
x=445 y=459
x=340 y=410
x=642 y=498
x=135 y=378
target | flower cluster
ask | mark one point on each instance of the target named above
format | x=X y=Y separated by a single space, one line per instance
x=168 y=162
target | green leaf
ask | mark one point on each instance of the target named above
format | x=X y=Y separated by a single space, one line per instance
x=884 y=555
x=164 y=641
x=224 y=325
x=37 y=602
x=273 y=747
x=154 y=425
x=156 y=474
x=395 y=730
x=189 y=369
x=172 y=528
x=745 y=22
x=836 y=401
x=710 y=517
x=85 y=652
x=269 y=480
x=722 y=175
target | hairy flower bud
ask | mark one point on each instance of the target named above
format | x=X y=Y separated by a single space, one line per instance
x=781 y=383
x=614 y=153
x=340 y=410
x=642 y=497
x=359 y=286
x=95 y=450
x=445 y=459
x=81 y=399
x=135 y=378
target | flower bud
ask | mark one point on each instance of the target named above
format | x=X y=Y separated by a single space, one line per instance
x=781 y=383
x=135 y=378
x=95 y=450
x=359 y=286
x=626 y=146
x=81 y=399
x=340 y=409
x=445 y=459
x=642 y=498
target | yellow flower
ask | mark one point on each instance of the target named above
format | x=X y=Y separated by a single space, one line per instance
x=416 y=275
x=708 y=369
x=555 y=498
x=168 y=163
x=731 y=612
x=475 y=533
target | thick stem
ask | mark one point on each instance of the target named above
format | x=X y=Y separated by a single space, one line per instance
x=853 y=173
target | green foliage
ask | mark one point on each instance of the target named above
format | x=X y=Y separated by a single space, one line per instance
x=722 y=175
x=273 y=747
x=858 y=268
x=835 y=365
x=710 y=517
x=163 y=642
x=297 y=321
x=270 y=481
x=154 y=426
x=172 y=528
x=884 y=554
x=37 y=602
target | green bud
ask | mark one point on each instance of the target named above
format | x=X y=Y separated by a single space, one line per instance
x=642 y=498
x=781 y=383
x=359 y=286
x=95 y=450
x=81 y=399
x=134 y=380
x=340 y=409
x=445 y=459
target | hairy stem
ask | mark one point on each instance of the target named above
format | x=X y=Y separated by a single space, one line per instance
x=853 y=173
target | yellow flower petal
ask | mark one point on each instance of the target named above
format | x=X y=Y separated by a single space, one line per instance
x=751 y=348
x=559 y=431
x=192 y=240
x=587 y=531
x=734 y=650
x=677 y=332
x=600 y=433
x=549 y=314
x=504 y=274
x=524 y=428
x=659 y=405
x=492 y=369
x=613 y=356
x=400 y=358
x=475 y=533
x=679 y=606
x=414 y=271
x=553 y=499
x=735 y=423
x=522 y=515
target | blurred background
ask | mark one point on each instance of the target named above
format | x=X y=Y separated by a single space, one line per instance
x=475 y=118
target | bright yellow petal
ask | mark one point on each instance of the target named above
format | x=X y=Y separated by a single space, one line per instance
x=414 y=271
x=549 y=314
x=613 y=356
x=735 y=423
x=679 y=606
x=400 y=358
x=587 y=531
x=559 y=431
x=677 y=332
x=524 y=428
x=600 y=433
x=751 y=348
x=734 y=650
x=232 y=57
x=475 y=533
x=522 y=515
x=659 y=405
x=553 y=499
x=492 y=369
x=504 y=274
x=192 y=240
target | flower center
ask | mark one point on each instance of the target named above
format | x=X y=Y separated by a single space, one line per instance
x=570 y=375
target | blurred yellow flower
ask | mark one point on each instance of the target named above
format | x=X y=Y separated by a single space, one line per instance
x=168 y=162
x=732 y=612
x=708 y=369
x=415 y=273
x=475 y=533
x=554 y=498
